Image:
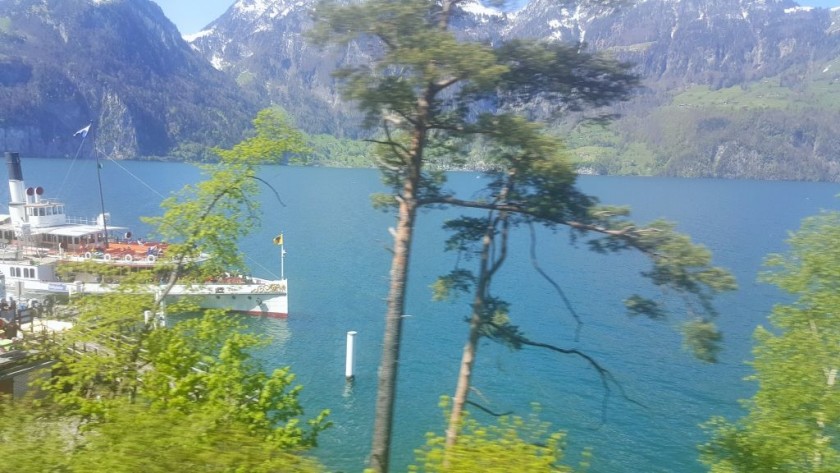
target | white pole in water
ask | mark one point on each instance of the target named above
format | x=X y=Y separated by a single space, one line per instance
x=350 y=362
x=278 y=240
x=282 y=262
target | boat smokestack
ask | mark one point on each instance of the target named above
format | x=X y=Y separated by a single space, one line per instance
x=16 y=190
x=13 y=166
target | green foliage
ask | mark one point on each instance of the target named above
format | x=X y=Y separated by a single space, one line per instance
x=330 y=151
x=511 y=444
x=140 y=438
x=192 y=152
x=201 y=365
x=121 y=392
x=204 y=364
x=457 y=281
x=563 y=75
x=773 y=128
x=192 y=394
x=791 y=423
x=33 y=438
x=209 y=217
x=766 y=94
x=425 y=91
x=135 y=437
x=702 y=338
x=274 y=138
x=679 y=266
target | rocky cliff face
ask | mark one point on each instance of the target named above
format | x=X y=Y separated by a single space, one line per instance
x=262 y=45
x=119 y=64
x=675 y=44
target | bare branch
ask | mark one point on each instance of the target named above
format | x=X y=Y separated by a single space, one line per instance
x=482 y=408
x=514 y=208
x=276 y=194
x=606 y=376
x=551 y=281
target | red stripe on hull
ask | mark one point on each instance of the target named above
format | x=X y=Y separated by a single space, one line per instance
x=271 y=315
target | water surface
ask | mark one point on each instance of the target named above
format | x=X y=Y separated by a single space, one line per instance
x=338 y=262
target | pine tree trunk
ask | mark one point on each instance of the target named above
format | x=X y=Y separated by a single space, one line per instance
x=470 y=348
x=386 y=391
x=388 y=366
x=463 y=386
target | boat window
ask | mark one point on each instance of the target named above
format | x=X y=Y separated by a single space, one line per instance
x=29 y=272
x=42 y=212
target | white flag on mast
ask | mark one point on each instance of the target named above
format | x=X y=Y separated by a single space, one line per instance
x=84 y=131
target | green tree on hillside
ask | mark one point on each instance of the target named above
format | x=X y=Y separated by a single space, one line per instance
x=792 y=421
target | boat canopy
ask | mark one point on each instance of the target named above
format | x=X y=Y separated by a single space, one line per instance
x=76 y=230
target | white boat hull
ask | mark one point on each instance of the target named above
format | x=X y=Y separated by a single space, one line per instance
x=264 y=298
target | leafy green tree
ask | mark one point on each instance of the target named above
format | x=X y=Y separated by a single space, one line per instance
x=141 y=438
x=34 y=438
x=792 y=421
x=511 y=444
x=210 y=217
x=135 y=437
x=195 y=386
x=120 y=383
x=201 y=224
x=427 y=91
x=199 y=372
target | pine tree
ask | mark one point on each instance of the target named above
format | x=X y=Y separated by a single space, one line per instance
x=432 y=96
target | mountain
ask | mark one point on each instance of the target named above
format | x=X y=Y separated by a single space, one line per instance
x=262 y=44
x=732 y=88
x=120 y=64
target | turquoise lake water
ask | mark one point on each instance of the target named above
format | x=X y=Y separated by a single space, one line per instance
x=338 y=263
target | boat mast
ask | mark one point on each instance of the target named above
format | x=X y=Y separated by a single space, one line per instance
x=101 y=199
x=84 y=131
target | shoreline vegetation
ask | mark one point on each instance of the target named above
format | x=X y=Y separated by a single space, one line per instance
x=592 y=150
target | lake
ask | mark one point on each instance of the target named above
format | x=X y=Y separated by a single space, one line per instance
x=338 y=262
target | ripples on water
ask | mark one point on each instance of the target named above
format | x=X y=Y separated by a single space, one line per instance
x=338 y=266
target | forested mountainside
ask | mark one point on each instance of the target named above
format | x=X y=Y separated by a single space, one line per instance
x=119 y=64
x=732 y=88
